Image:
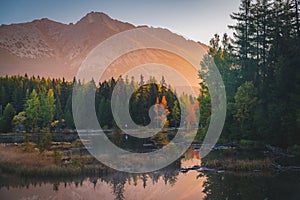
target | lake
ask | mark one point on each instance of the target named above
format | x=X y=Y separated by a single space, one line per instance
x=167 y=183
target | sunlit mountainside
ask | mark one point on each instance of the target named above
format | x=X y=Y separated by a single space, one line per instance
x=48 y=48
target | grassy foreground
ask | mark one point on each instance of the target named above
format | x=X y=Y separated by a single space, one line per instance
x=239 y=165
x=29 y=161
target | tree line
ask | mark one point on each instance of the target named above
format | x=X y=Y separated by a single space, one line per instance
x=260 y=70
x=34 y=104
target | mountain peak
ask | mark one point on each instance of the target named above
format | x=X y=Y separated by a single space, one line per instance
x=48 y=48
x=95 y=14
x=93 y=17
x=44 y=21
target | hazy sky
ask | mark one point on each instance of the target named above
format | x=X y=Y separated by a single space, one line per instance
x=194 y=19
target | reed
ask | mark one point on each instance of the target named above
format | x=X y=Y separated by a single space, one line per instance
x=239 y=165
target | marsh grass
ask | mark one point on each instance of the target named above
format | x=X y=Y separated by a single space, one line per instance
x=56 y=171
x=239 y=165
x=25 y=160
x=15 y=169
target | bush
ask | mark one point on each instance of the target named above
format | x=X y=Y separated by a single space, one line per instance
x=57 y=155
x=295 y=149
x=45 y=142
x=28 y=146
x=160 y=138
x=250 y=144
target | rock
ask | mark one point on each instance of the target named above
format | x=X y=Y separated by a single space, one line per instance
x=224 y=147
x=200 y=169
x=278 y=151
x=194 y=167
x=205 y=169
x=184 y=170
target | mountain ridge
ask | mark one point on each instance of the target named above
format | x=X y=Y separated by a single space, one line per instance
x=49 y=48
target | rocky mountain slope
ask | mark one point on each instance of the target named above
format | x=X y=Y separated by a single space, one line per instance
x=48 y=48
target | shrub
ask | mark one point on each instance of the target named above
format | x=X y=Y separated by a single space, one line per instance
x=294 y=149
x=250 y=144
x=57 y=155
x=45 y=142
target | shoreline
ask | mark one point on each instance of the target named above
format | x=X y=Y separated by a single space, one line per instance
x=15 y=160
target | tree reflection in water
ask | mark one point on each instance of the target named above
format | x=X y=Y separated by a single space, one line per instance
x=116 y=180
x=251 y=185
x=167 y=183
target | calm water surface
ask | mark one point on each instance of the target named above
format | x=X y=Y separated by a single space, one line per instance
x=166 y=184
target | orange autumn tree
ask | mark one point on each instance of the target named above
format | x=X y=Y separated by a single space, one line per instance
x=161 y=112
x=164 y=104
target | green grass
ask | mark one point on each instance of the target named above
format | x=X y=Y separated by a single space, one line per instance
x=253 y=144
